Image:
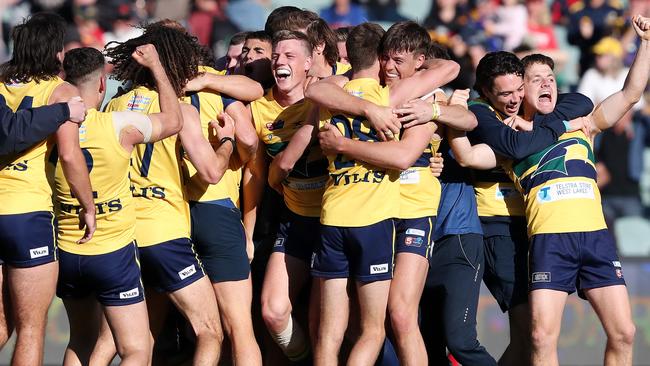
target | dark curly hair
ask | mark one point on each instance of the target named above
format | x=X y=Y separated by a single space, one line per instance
x=36 y=44
x=179 y=52
x=496 y=64
x=80 y=63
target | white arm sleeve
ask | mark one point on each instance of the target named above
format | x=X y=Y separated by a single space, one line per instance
x=129 y=118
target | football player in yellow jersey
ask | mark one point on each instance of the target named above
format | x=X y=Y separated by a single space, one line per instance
x=170 y=267
x=27 y=230
x=278 y=116
x=107 y=265
x=577 y=250
x=393 y=155
x=256 y=58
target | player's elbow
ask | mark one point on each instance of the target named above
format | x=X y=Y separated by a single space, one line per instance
x=248 y=145
x=256 y=91
x=211 y=176
x=311 y=92
x=403 y=161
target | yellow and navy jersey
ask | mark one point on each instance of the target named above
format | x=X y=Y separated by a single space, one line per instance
x=210 y=105
x=358 y=193
x=108 y=166
x=419 y=189
x=25 y=178
x=162 y=211
x=559 y=187
x=340 y=68
x=275 y=126
x=496 y=194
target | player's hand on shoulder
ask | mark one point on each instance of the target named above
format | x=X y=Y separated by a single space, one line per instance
x=384 y=121
x=329 y=139
x=224 y=126
x=585 y=124
x=518 y=124
x=459 y=97
x=197 y=84
x=146 y=55
x=77 y=109
x=415 y=112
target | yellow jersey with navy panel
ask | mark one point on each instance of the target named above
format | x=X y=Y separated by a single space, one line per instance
x=359 y=204
x=340 y=68
x=25 y=187
x=559 y=187
x=419 y=189
x=106 y=266
x=352 y=197
x=222 y=252
x=156 y=181
x=108 y=167
x=275 y=125
x=27 y=230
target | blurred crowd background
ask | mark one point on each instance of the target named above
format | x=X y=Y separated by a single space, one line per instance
x=591 y=41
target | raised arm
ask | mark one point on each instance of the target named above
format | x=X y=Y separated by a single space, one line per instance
x=245 y=135
x=612 y=109
x=210 y=163
x=21 y=130
x=479 y=156
x=238 y=87
x=73 y=163
x=138 y=129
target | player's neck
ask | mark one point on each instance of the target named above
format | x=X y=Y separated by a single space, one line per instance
x=320 y=68
x=89 y=96
x=290 y=97
x=369 y=73
x=529 y=113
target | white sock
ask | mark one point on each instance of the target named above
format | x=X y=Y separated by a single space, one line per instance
x=292 y=341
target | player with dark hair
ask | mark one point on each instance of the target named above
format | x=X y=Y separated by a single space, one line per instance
x=27 y=230
x=279 y=18
x=341 y=38
x=170 y=267
x=107 y=265
x=256 y=58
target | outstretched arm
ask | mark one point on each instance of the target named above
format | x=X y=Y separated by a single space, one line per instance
x=434 y=74
x=238 y=87
x=612 y=109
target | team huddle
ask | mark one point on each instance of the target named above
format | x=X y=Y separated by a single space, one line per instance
x=383 y=200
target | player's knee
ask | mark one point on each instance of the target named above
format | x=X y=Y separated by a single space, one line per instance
x=459 y=344
x=542 y=338
x=403 y=321
x=375 y=334
x=276 y=312
x=136 y=350
x=209 y=330
x=623 y=337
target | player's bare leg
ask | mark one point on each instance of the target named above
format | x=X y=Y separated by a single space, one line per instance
x=104 y=351
x=373 y=300
x=546 y=307
x=130 y=327
x=6 y=323
x=403 y=300
x=612 y=305
x=234 y=299
x=518 y=350
x=200 y=309
x=85 y=318
x=334 y=313
x=31 y=291
x=285 y=277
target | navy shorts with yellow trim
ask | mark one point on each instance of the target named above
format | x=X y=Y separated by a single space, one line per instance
x=365 y=253
x=28 y=240
x=114 y=278
x=414 y=235
x=220 y=240
x=170 y=265
x=297 y=235
x=568 y=261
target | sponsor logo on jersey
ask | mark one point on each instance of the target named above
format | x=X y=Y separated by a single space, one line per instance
x=379 y=268
x=186 y=272
x=565 y=191
x=541 y=277
x=417 y=232
x=130 y=294
x=505 y=192
x=413 y=241
x=138 y=103
x=409 y=177
x=279 y=242
x=275 y=125
x=39 y=252
x=616 y=264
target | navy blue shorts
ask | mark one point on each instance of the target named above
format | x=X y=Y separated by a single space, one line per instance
x=170 y=265
x=568 y=261
x=297 y=235
x=363 y=252
x=28 y=240
x=220 y=240
x=414 y=235
x=506 y=268
x=113 y=278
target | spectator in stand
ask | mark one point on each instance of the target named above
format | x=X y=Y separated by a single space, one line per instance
x=589 y=22
x=85 y=13
x=341 y=38
x=204 y=14
x=344 y=14
x=509 y=23
x=446 y=18
x=541 y=34
x=248 y=15
x=118 y=18
x=382 y=10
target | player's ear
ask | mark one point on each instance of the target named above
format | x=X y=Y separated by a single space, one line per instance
x=308 y=63
x=102 y=83
x=419 y=61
